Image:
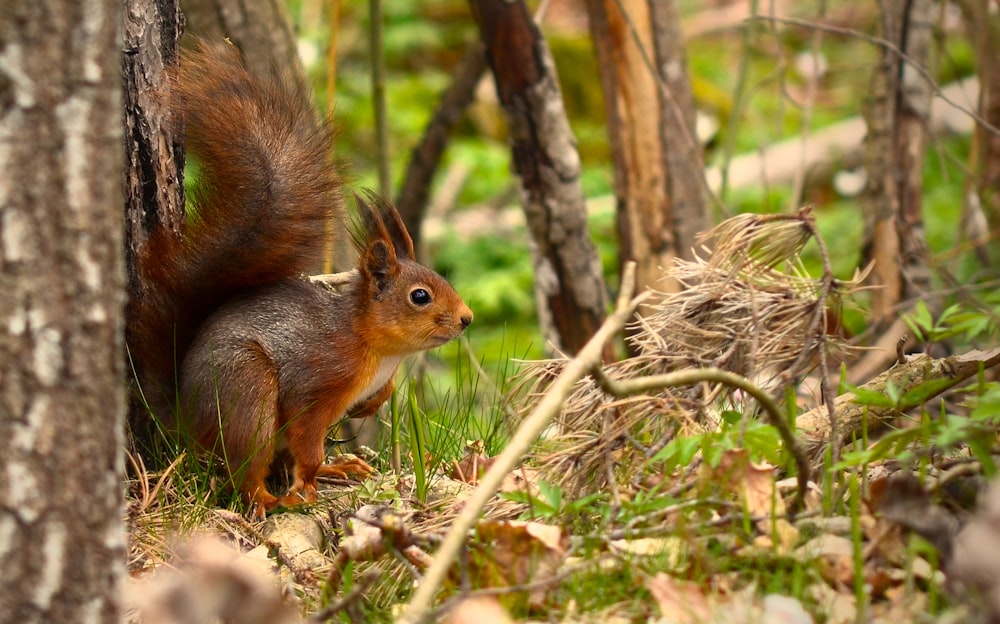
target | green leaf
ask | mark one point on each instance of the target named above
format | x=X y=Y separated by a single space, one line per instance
x=925 y=391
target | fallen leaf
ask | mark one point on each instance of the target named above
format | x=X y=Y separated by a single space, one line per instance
x=756 y=485
x=834 y=556
x=780 y=609
x=472 y=466
x=836 y=607
x=479 y=610
x=517 y=553
x=902 y=499
x=671 y=551
x=680 y=602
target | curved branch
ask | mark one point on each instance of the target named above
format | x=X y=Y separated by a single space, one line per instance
x=717 y=375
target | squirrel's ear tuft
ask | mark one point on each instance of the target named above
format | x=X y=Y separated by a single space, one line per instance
x=377 y=218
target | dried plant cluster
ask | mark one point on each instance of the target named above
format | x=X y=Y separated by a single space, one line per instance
x=747 y=307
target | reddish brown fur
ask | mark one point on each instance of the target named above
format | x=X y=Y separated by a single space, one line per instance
x=268 y=357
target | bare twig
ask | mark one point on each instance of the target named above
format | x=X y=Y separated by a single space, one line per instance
x=888 y=45
x=852 y=414
x=303 y=576
x=588 y=357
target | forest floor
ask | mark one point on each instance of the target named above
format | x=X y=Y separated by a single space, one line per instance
x=667 y=487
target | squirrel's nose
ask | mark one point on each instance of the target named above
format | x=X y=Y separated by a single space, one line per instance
x=466 y=318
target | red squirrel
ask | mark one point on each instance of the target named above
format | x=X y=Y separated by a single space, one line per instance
x=260 y=358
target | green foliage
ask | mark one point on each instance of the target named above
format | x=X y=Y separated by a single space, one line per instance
x=762 y=440
x=930 y=435
x=551 y=504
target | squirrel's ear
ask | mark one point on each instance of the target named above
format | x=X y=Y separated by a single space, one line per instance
x=396 y=230
x=377 y=218
x=378 y=265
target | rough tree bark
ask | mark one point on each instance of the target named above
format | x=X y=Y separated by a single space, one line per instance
x=658 y=168
x=62 y=391
x=569 y=286
x=897 y=118
x=154 y=161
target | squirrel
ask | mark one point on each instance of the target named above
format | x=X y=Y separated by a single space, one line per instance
x=255 y=357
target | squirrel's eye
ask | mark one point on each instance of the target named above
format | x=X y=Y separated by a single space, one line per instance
x=420 y=297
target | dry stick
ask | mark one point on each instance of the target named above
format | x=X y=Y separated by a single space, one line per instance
x=717 y=375
x=589 y=356
x=817 y=328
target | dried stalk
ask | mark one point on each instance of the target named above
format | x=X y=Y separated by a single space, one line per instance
x=589 y=356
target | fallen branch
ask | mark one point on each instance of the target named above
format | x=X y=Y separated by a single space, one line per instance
x=588 y=357
x=853 y=416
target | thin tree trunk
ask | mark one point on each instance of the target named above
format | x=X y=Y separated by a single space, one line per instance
x=897 y=118
x=413 y=195
x=259 y=28
x=62 y=393
x=569 y=285
x=658 y=169
x=687 y=189
x=631 y=96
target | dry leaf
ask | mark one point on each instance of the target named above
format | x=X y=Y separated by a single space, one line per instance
x=672 y=551
x=974 y=565
x=680 y=602
x=479 y=610
x=756 y=485
x=835 y=606
x=780 y=609
x=472 y=466
x=834 y=555
x=903 y=500
x=518 y=553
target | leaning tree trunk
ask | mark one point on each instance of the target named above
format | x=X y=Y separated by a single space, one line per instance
x=897 y=117
x=569 y=286
x=62 y=392
x=658 y=173
x=413 y=196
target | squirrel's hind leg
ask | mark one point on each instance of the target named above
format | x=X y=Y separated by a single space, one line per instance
x=238 y=417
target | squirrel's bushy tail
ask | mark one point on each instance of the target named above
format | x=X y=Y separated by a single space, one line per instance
x=266 y=189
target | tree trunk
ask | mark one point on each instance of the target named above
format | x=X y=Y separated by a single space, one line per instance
x=685 y=167
x=569 y=284
x=62 y=394
x=658 y=169
x=897 y=117
x=259 y=28
x=154 y=167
